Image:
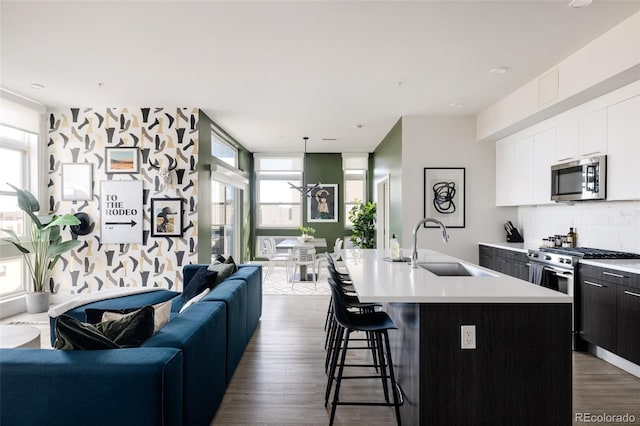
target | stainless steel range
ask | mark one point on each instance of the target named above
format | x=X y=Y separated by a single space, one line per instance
x=557 y=268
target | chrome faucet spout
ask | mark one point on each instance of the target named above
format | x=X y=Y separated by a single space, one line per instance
x=414 y=247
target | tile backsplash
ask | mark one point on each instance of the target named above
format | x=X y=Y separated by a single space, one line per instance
x=612 y=225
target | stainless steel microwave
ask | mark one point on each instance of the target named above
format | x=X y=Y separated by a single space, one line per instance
x=583 y=179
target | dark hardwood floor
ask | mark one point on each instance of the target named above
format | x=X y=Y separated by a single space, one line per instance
x=281 y=379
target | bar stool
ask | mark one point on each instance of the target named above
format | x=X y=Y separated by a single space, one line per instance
x=377 y=324
x=331 y=325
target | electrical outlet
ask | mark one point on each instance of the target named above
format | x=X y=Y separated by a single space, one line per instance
x=468 y=337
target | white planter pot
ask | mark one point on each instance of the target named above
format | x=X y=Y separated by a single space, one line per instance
x=37 y=302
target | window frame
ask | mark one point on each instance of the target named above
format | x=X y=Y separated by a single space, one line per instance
x=281 y=175
x=28 y=156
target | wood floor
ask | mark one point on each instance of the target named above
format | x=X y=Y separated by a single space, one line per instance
x=281 y=380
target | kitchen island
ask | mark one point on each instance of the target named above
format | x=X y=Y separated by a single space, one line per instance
x=521 y=369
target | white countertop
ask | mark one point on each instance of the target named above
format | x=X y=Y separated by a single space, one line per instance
x=377 y=280
x=521 y=247
x=627 y=265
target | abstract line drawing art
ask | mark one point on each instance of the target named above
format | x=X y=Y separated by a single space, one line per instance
x=444 y=195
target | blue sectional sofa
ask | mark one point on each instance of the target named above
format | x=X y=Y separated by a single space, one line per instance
x=177 y=377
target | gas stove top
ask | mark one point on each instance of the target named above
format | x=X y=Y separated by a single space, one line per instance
x=591 y=253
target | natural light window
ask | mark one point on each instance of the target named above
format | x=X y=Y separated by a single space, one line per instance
x=278 y=205
x=355 y=168
x=223 y=150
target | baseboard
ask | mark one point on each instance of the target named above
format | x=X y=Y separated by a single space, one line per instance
x=614 y=359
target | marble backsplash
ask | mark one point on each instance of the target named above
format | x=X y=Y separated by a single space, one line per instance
x=612 y=225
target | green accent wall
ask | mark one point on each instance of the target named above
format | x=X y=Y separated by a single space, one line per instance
x=324 y=168
x=245 y=163
x=387 y=160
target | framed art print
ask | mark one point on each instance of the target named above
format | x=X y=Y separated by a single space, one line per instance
x=166 y=217
x=122 y=160
x=322 y=206
x=77 y=181
x=444 y=196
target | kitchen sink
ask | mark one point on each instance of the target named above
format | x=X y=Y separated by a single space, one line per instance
x=454 y=269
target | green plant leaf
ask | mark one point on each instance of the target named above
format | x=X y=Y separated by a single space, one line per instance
x=64 y=220
x=17 y=245
x=26 y=201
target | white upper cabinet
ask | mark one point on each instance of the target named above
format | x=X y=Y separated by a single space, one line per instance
x=514 y=172
x=593 y=134
x=567 y=142
x=623 y=160
x=544 y=155
x=582 y=137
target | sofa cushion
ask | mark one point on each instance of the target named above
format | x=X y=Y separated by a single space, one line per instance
x=76 y=335
x=161 y=313
x=131 y=330
x=195 y=299
x=224 y=270
x=202 y=279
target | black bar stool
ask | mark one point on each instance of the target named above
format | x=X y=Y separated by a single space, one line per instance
x=375 y=324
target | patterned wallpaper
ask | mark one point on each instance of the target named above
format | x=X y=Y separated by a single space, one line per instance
x=163 y=136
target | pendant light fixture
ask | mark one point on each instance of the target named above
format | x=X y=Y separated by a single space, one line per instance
x=303 y=189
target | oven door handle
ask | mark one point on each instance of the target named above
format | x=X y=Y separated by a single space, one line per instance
x=557 y=271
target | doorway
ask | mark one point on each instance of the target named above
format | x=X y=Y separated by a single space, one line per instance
x=382 y=212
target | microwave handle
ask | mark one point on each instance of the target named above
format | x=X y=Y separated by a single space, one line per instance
x=591 y=181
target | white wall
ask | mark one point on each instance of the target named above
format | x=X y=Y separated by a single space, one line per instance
x=612 y=225
x=450 y=142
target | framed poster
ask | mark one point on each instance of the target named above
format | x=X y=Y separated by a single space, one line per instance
x=322 y=206
x=121 y=211
x=122 y=160
x=166 y=217
x=444 y=196
x=77 y=181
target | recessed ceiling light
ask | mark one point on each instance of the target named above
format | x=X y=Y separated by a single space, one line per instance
x=498 y=70
x=456 y=105
x=579 y=3
x=37 y=86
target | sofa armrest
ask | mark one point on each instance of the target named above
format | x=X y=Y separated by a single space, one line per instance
x=141 y=386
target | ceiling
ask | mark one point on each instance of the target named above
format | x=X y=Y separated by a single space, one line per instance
x=270 y=73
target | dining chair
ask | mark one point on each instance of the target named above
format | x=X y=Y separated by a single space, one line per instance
x=269 y=251
x=304 y=255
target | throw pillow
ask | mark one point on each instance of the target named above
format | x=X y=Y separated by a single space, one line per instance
x=131 y=330
x=72 y=334
x=161 y=314
x=194 y=300
x=230 y=261
x=224 y=271
x=220 y=258
x=203 y=278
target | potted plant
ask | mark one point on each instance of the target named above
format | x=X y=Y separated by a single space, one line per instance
x=46 y=246
x=307 y=233
x=363 y=218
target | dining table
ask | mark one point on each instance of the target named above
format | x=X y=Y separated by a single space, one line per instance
x=291 y=243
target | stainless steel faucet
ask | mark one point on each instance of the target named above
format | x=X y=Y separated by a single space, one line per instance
x=414 y=247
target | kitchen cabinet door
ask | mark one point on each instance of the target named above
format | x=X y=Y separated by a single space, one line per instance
x=628 y=320
x=567 y=141
x=514 y=172
x=544 y=155
x=593 y=133
x=598 y=306
x=623 y=160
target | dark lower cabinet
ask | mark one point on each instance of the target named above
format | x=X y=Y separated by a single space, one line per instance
x=610 y=310
x=598 y=303
x=509 y=262
x=628 y=318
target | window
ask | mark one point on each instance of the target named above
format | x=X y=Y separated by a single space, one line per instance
x=14 y=155
x=223 y=150
x=19 y=134
x=355 y=181
x=278 y=205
